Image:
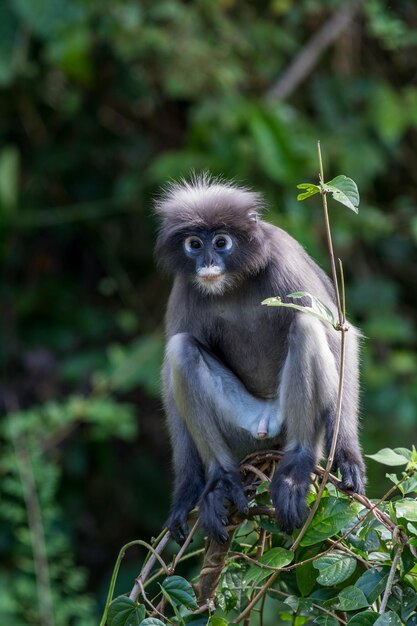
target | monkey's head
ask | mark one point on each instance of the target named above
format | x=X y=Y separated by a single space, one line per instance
x=211 y=232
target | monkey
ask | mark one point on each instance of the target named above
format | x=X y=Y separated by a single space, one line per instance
x=238 y=376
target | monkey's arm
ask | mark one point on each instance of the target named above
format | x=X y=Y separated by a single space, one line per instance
x=189 y=478
x=202 y=409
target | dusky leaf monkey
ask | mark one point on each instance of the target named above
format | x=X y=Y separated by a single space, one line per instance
x=239 y=376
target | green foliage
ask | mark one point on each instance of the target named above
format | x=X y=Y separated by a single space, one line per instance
x=339 y=573
x=38 y=547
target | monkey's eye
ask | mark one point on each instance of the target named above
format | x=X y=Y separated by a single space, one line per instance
x=222 y=242
x=193 y=243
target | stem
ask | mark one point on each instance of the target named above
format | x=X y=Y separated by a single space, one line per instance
x=343 y=329
x=149 y=565
x=329 y=240
x=391 y=576
x=155 y=556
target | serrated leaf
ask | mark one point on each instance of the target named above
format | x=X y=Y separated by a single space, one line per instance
x=124 y=612
x=311 y=190
x=387 y=456
x=388 y=619
x=366 y=618
x=344 y=190
x=373 y=583
x=334 y=568
x=331 y=516
x=352 y=599
x=406 y=508
x=276 y=557
x=180 y=591
x=317 y=308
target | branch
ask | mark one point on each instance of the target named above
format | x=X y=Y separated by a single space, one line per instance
x=309 y=56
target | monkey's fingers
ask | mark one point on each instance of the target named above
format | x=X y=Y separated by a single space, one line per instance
x=178 y=527
x=213 y=515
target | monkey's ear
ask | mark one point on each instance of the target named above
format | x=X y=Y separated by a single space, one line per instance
x=253 y=216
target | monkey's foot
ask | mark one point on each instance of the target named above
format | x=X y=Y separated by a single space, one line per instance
x=289 y=488
x=352 y=469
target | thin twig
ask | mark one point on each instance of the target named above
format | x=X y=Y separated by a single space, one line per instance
x=149 y=565
x=185 y=545
x=343 y=329
x=391 y=576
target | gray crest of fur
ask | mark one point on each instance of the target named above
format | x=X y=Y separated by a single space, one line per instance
x=209 y=202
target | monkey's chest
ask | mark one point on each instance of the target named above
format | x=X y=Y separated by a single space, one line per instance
x=254 y=351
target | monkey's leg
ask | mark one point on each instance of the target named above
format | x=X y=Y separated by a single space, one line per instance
x=309 y=383
x=348 y=457
x=213 y=405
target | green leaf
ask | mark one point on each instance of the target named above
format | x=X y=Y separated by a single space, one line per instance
x=180 y=592
x=366 y=618
x=311 y=190
x=334 y=568
x=317 y=309
x=276 y=557
x=344 y=190
x=331 y=516
x=215 y=620
x=326 y=620
x=124 y=612
x=388 y=619
x=406 y=508
x=152 y=621
x=373 y=583
x=404 y=452
x=351 y=599
x=387 y=456
x=306 y=578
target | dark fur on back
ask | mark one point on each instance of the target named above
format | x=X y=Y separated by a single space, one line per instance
x=208 y=204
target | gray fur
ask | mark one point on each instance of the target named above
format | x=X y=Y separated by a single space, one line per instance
x=234 y=368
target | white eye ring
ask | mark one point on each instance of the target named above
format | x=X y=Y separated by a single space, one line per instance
x=225 y=242
x=193 y=243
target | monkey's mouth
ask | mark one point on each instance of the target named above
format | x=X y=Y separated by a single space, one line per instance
x=210 y=274
x=214 y=278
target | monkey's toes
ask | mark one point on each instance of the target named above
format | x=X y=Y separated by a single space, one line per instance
x=353 y=478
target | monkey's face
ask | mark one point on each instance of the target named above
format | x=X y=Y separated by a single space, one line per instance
x=209 y=253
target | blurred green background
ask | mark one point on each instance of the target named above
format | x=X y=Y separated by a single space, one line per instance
x=101 y=103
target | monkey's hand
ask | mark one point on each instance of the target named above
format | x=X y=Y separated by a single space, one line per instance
x=177 y=523
x=222 y=485
x=352 y=469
